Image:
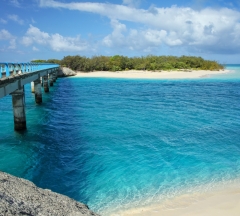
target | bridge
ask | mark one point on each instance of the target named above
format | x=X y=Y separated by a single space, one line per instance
x=13 y=77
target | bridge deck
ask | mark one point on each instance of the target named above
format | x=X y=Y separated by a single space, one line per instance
x=14 y=75
x=8 y=68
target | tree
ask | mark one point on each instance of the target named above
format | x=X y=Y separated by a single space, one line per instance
x=119 y=63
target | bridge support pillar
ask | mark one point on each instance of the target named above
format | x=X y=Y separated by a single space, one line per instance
x=41 y=80
x=32 y=87
x=18 y=102
x=38 y=91
x=54 y=76
x=45 y=83
x=4 y=74
x=51 y=79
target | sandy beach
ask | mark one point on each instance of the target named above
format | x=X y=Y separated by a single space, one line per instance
x=220 y=201
x=135 y=74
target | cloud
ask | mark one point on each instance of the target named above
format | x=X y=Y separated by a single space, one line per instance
x=3 y=21
x=133 y=39
x=167 y=18
x=206 y=29
x=5 y=35
x=12 y=44
x=116 y=38
x=16 y=19
x=35 y=49
x=112 y=11
x=15 y=3
x=132 y=3
x=56 y=41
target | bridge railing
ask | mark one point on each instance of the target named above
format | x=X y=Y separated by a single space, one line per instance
x=8 y=69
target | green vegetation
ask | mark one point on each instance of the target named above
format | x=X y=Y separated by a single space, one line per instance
x=55 y=61
x=121 y=63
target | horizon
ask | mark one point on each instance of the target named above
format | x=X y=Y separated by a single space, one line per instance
x=52 y=29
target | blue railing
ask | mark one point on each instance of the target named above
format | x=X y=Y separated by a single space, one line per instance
x=7 y=69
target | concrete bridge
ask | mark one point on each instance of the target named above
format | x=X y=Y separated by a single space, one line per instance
x=13 y=77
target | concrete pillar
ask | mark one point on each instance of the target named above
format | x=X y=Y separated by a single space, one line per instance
x=4 y=74
x=18 y=102
x=45 y=83
x=38 y=91
x=54 y=76
x=51 y=79
x=32 y=87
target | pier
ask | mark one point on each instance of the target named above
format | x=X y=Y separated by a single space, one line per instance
x=13 y=77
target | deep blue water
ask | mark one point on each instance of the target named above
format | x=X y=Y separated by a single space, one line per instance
x=114 y=143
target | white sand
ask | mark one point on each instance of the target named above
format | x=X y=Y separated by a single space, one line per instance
x=151 y=75
x=218 y=202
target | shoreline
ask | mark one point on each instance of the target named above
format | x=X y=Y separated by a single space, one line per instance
x=140 y=74
x=219 y=199
x=222 y=199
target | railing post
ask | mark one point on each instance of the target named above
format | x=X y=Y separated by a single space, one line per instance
x=38 y=91
x=11 y=70
x=18 y=102
x=1 y=68
x=14 y=69
x=7 y=69
x=4 y=68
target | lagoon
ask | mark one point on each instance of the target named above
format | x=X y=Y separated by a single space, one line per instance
x=118 y=144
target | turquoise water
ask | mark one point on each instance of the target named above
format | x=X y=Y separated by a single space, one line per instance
x=118 y=143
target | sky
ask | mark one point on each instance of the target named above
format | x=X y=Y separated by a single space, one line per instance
x=52 y=29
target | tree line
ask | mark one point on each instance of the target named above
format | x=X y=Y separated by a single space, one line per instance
x=121 y=63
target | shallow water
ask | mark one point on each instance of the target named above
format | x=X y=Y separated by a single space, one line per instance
x=114 y=143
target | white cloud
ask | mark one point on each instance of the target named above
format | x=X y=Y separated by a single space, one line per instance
x=3 y=21
x=16 y=19
x=133 y=39
x=209 y=28
x=117 y=37
x=35 y=49
x=15 y=3
x=110 y=10
x=166 y=18
x=12 y=44
x=56 y=42
x=35 y=35
x=132 y=3
x=5 y=35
